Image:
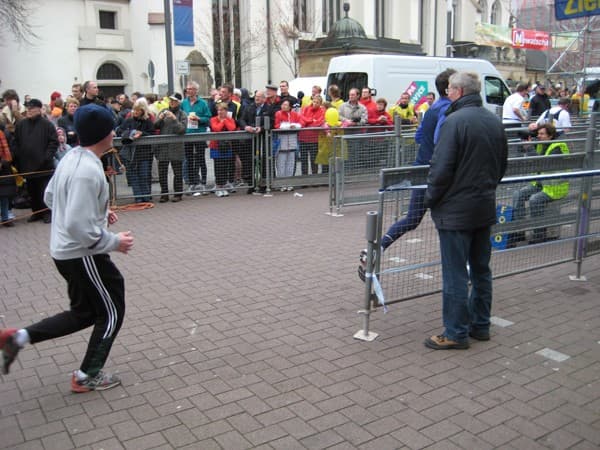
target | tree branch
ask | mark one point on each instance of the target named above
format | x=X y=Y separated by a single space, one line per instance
x=14 y=21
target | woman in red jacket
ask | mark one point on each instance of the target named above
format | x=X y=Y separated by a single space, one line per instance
x=311 y=116
x=381 y=116
x=221 y=151
x=286 y=119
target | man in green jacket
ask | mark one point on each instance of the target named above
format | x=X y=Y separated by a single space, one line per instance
x=540 y=194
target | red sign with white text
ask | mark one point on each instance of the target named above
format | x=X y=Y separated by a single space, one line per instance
x=532 y=39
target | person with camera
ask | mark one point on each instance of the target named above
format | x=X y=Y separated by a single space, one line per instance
x=138 y=158
x=366 y=99
x=171 y=121
x=13 y=111
x=352 y=112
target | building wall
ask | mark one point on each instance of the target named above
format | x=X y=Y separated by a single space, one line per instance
x=72 y=47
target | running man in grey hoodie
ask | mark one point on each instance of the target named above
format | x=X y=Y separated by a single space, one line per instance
x=80 y=243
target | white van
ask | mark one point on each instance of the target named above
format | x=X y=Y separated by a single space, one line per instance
x=305 y=84
x=391 y=75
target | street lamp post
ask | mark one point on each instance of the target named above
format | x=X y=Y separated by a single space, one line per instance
x=169 y=44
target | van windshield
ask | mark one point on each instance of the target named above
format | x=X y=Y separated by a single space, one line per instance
x=348 y=80
x=495 y=91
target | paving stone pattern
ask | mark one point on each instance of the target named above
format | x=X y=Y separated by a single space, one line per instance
x=238 y=334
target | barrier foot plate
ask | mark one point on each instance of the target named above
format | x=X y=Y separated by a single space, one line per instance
x=370 y=336
x=576 y=278
x=333 y=214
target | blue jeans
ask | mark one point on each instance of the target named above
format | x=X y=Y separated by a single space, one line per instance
x=140 y=176
x=537 y=205
x=463 y=311
x=416 y=211
x=4 y=201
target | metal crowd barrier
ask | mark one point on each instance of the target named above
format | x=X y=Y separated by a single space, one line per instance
x=313 y=149
x=235 y=169
x=570 y=227
x=360 y=156
x=348 y=160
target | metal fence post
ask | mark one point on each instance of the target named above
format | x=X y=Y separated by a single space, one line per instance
x=585 y=201
x=268 y=155
x=398 y=140
x=331 y=180
x=371 y=234
x=339 y=184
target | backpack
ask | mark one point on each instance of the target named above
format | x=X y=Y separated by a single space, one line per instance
x=552 y=117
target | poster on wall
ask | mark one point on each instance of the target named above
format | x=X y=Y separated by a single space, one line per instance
x=183 y=22
x=532 y=39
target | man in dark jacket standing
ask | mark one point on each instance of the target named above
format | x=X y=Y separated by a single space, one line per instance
x=539 y=102
x=468 y=162
x=35 y=146
x=252 y=120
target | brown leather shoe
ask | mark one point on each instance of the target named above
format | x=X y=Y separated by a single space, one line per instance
x=176 y=198
x=441 y=342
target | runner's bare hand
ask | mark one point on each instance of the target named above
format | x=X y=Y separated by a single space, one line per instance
x=112 y=217
x=125 y=241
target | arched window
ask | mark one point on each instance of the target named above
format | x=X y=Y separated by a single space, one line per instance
x=109 y=71
x=495 y=16
x=483 y=5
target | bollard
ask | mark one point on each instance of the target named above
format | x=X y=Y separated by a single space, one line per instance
x=371 y=234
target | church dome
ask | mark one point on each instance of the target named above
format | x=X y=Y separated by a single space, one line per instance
x=346 y=28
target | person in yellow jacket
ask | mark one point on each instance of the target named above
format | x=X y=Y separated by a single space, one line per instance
x=307 y=99
x=404 y=109
x=163 y=103
x=540 y=194
x=583 y=99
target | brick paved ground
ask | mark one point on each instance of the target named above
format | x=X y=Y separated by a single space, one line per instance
x=238 y=335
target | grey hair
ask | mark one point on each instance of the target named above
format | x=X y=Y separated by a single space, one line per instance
x=193 y=84
x=467 y=81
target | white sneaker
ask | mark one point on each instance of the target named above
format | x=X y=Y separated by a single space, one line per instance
x=290 y=188
x=229 y=186
x=225 y=193
x=219 y=193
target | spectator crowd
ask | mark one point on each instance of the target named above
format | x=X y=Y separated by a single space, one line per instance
x=35 y=135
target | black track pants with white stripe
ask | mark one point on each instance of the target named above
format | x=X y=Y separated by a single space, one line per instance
x=97 y=295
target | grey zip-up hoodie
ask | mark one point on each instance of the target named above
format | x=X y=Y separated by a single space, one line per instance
x=78 y=196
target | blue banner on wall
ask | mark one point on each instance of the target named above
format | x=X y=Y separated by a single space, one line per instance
x=570 y=9
x=183 y=22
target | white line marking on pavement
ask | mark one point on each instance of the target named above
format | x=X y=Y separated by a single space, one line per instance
x=552 y=354
x=501 y=322
x=424 y=276
x=396 y=259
